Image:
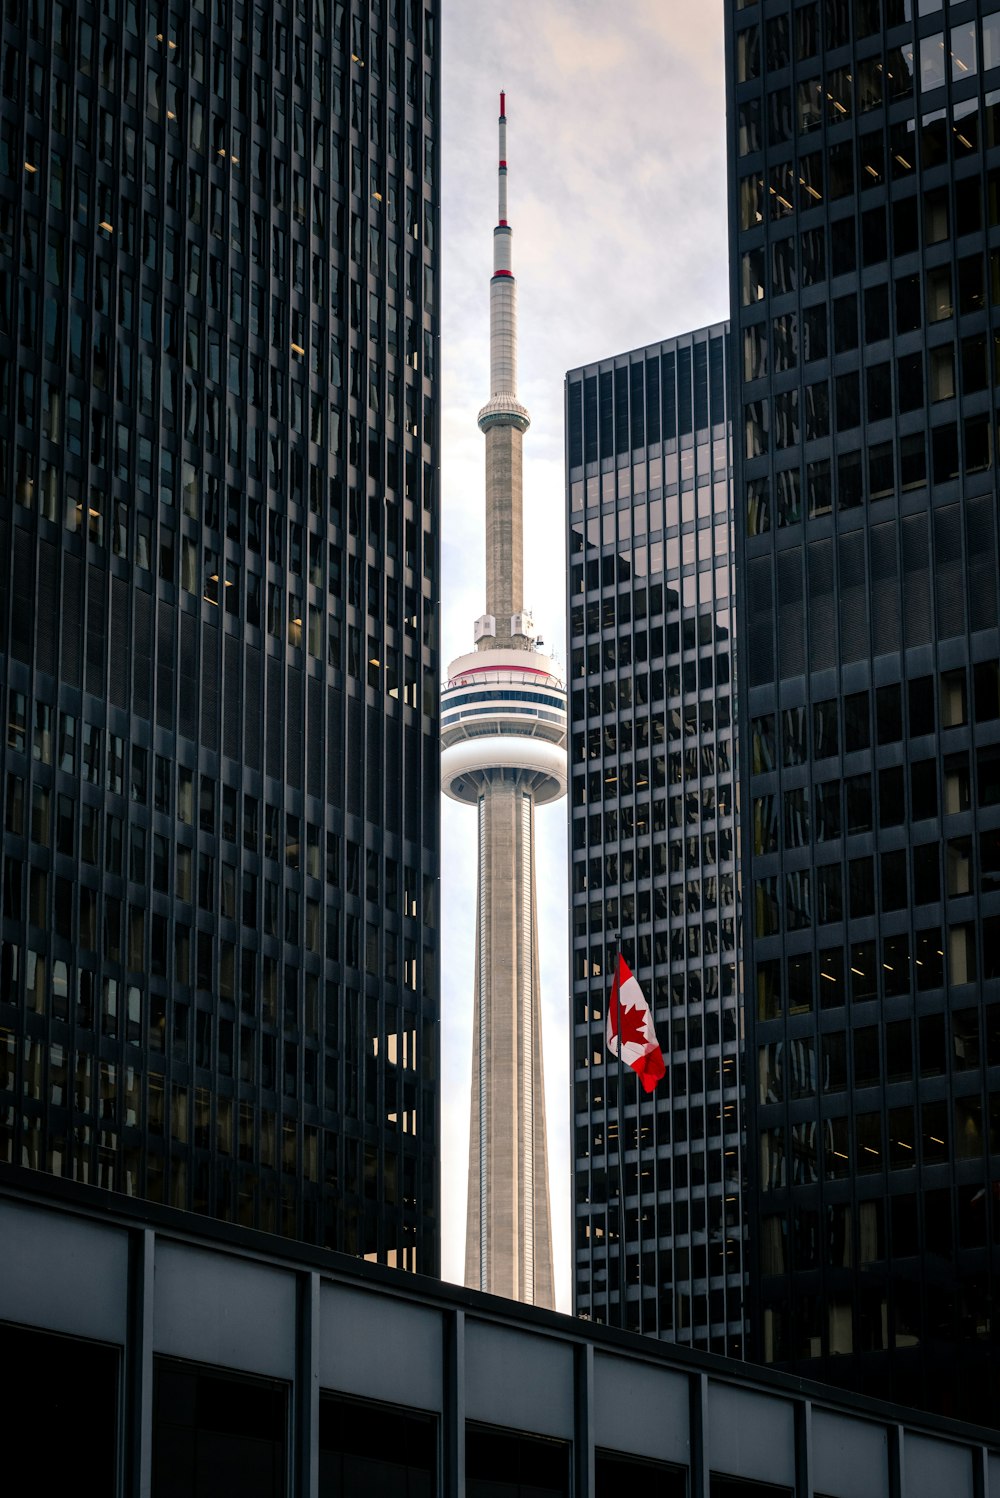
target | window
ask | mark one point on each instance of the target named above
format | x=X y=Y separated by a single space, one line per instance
x=749 y=127
x=899 y=1052
x=847 y=401
x=868 y=1156
x=367 y=1448
x=834 y=1066
x=615 y=1474
x=934 y=1122
x=926 y=875
x=794 y=735
x=506 y=1464
x=929 y=961
x=207 y=1422
x=763 y=744
x=814 y=344
x=752 y=277
x=91 y=753
x=88 y=1420
x=864 y=978
x=893 y=880
x=987 y=691
x=964 y=62
x=754 y=352
x=962 y=954
x=954 y=709
x=923 y=789
x=748 y=54
x=891 y=800
x=859 y=803
x=735 y=1487
x=888 y=715
x=879 y=391
x=942 y=372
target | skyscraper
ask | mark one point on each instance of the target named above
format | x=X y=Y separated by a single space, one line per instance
x=218 y=586
x=864 y=207
x=652 y=852
x=503 y=723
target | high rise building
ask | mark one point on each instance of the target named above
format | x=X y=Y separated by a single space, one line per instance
x=652 y=836
x=503 y=723
x=218 y=588
x=864 y=209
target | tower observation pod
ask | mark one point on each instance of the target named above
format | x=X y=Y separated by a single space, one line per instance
x=503 y=750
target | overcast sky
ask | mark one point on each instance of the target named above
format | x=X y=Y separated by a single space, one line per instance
x=617 y=178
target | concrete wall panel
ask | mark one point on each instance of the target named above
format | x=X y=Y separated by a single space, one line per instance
x=752 y=1435
x=63 y=1273
x=933 y=1469
x=641 y=1409
x=849 y=1457
x=519 y=1380
x=380 y=1348
x=216 y=1308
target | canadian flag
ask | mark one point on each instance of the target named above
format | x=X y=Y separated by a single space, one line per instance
x=630 y=1017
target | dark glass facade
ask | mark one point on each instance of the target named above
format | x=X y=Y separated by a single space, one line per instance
x=652 y=835
x=218 y=610
x=865 y=218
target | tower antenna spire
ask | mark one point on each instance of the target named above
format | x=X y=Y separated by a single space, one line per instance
x=502 y=168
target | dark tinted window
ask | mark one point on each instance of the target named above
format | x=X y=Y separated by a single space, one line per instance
x=216 y=1434
x=367 y=1448
x=77 y=1413
x=738 y=1487
x=505 y=1464
x=615 y=1475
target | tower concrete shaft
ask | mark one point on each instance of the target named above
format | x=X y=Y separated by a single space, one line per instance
x=503 y=725
x=508 y=1243
x=504 y=539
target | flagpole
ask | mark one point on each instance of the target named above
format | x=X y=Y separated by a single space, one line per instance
x=638 y=1188
x=649 y=1067
x=621 y=1150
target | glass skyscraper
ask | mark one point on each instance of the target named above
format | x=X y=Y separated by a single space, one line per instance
x=865 y=221
x=218 y=609
x=652 y=836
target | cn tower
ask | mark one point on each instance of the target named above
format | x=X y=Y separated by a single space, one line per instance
x=503 y=735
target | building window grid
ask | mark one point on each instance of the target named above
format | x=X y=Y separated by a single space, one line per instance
x=946 y=472
x=591 y=1294
x=95 y=593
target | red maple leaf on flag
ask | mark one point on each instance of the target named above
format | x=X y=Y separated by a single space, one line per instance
x=631 y=1023
x=631 y=1026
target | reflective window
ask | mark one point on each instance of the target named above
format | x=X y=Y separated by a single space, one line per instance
x=932 y=60
x=991 y=41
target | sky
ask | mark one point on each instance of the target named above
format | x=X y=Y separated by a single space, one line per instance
x=617 y=199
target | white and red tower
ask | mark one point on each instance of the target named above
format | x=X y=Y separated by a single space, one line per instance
x=503 y=736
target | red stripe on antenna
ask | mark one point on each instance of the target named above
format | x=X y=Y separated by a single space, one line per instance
x=503 y=109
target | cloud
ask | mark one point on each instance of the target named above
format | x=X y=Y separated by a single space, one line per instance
x=616 y=143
